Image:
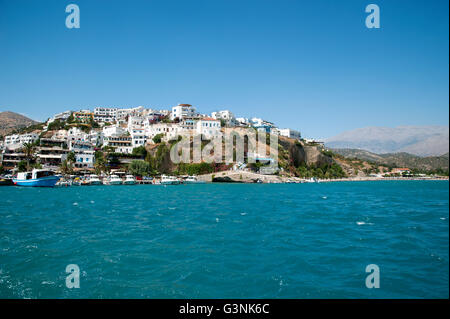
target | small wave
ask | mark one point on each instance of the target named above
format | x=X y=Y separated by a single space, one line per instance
x=324 y=197
x=75 y=204
x=243 y=214
x=217 y=220
x=363 y=223
x=47 y=283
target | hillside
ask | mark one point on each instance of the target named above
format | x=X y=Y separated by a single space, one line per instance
x=10 y=121
x=398 y=159
x=417 y=140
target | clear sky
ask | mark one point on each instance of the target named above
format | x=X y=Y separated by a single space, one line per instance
x=307 y=65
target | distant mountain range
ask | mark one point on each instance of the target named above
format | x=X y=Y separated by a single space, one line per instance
x=10 y=121
x=417 y=140
x=398 y=159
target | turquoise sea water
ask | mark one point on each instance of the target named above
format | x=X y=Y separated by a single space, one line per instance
x=227 y=240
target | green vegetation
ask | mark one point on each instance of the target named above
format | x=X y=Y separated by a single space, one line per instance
x=195 y=168
x=139 y=168
x=322 y=171
x=22 y=166
x=57 y=125
x=66 y=167
x=100 y=162
x=139 y=151
x=157 y=138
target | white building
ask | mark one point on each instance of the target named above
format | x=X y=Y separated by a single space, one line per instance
x=225 y=115
x=105 y=114
x=20 y=139
x=169 y=130
x=208 y=127
x=243 y=121
x=182 y=111
x=121 y=144
x=123 y=113
x=287 y=132
x=84 y=154
x=113 y=130
x=60 y=116
x=138 y=137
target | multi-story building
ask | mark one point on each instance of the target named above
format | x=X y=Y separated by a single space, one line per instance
x=138 y=137
x=20 y=139
x=84 y=116
x=105 y=114
x=121 y=144
x=225 y=115
x=113 y=130
x=121 y=114
x=12 y=157
x=169 y=130
x=60 y=116
x=52 y=152
x=182 y=111
x=84 y=154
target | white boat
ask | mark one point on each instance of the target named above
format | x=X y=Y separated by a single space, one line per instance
x=193 y=180
x=129 y=180
x=169 y=180
x=113 y=180
x=64 y=183
x=94 y=180
x=36 y=178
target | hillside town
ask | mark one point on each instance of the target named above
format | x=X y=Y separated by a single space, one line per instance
x=120 y=130
x=120 y=141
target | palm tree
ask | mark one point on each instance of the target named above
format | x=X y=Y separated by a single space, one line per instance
x=71 y=157
x=28 y=149
x=66 y=167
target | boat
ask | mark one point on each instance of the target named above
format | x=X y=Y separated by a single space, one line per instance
x=4 y=181
x=113 y=180
x=63 y=183
x=36 y=178
x=94 y=180
x=193 y=180
x=129 y=180
x=169 y=180
x=76 y=181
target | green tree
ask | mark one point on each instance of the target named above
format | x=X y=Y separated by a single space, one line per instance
x=140 y=151
x=71 y=157
x=28 y=150
x=139 y=168
x=22 y=166
x=157 y=138
x=66 y=167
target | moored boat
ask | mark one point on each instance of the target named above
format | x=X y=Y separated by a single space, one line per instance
x=6 y=181
x=129 y=180
x=169 y=180
x=113 y=180
x=193 y=180
x=36 y=178
x=94 y=180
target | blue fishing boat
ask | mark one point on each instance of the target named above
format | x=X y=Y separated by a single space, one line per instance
x=36 y=178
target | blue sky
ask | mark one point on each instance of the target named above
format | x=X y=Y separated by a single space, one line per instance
x=308 y=65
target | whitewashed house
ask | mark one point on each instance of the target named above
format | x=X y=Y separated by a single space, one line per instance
x=287 y=132
x=208 y=127
x=182 y=111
